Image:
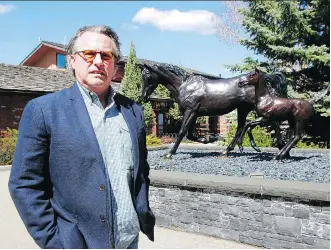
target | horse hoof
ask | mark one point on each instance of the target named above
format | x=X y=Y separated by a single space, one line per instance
x=168 y=156
x=241 y=148
x=277 y=158
x=223 y=155
x=257 y=149
x=287 y=156
x=202 y=140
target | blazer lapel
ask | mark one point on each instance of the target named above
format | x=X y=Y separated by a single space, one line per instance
x=84 y=120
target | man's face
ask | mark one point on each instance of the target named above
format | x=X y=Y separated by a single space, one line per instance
x=94 y=73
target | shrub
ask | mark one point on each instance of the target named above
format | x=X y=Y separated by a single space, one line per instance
x=304 y=144
x=265 y=139
x=8 y=139
x=152 y=140
x=261 y=137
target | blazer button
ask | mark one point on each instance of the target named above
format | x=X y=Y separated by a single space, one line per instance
x=102 y=187
x=102 y=219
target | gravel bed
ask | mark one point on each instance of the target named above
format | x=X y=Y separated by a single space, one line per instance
x=303 y=166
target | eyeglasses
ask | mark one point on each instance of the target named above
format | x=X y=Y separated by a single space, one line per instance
x=89 y=55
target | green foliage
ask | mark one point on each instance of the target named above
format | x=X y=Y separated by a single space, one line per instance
x=148 y=114
x=8 y=139
x=261 y=137
x=174 y=112
x=152 y=140
x=202 y=119
x=248 y=65
x=302 y=144
x=131 y=85
x=162 y=91
x=294 y=37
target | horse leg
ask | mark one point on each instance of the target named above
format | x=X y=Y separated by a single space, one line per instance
x=275 y=126
x=251 y=139
x=248 y=127
x=190 y=129
x=190 y=135
x=241 y=118
x=292 y=125
x=298 y=134
x=189 y=116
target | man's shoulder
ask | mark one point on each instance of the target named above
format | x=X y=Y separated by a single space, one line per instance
x=50 y=98
x=124 y=100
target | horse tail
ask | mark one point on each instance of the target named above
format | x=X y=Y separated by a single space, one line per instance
x=320 y=95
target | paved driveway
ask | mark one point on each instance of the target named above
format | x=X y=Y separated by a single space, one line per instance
x=13 y=234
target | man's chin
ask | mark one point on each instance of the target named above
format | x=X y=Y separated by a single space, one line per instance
x=97 y=82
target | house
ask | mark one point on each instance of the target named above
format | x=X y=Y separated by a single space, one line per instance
x=44 y=71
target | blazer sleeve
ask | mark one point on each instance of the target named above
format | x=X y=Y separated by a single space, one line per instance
x=145 y=173
x=29 y=182
x=146 y=167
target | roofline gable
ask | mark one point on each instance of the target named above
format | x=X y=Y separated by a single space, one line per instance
x=42 y=43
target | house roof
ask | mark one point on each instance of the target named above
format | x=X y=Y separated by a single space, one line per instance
x=35 y=79
x=124 y=59
x=57 y=45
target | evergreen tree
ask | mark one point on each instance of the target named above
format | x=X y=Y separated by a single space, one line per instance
x=131 y=85
x=294 y=37
x=174 y=112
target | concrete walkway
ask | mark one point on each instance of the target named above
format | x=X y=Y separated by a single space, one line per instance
x=13 y=234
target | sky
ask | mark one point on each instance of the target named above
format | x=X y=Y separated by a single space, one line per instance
x=200 y=35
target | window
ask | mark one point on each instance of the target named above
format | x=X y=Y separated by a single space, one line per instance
x=61 y=61
x=160 y=123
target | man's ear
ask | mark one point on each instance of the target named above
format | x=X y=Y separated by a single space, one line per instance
x=71 y=60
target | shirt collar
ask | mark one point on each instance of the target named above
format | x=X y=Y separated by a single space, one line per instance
x=93 y=97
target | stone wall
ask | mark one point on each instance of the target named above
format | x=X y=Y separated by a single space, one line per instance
x=260 y=212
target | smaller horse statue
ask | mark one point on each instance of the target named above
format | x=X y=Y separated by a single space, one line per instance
x=277 y=86
x=297 y=112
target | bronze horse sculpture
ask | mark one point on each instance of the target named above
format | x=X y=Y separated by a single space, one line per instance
x=297 y=112
x=200 y=96
x=277 y=89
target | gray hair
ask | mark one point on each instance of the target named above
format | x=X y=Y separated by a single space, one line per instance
x=101 y=29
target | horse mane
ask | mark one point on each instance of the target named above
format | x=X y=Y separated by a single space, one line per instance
x=174 y=70
x=277 y=84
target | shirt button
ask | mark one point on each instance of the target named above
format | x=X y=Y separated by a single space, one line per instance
x=102 y=187
x=102 y=219
x=120 y=131
x=112 y=161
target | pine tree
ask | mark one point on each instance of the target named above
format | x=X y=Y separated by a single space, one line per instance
x=131 y=85
x=294 y=37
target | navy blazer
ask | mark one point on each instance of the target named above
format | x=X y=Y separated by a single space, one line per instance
x=58 y=178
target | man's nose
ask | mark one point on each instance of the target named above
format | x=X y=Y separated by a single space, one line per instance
x=97 y=59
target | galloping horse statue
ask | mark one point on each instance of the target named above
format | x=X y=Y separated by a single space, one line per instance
x=297 y=112
x=200 y=96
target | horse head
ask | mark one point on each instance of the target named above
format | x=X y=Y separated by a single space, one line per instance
x=252 y=78
x=150 y=81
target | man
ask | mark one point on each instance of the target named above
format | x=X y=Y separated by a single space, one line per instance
x=79 y=178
